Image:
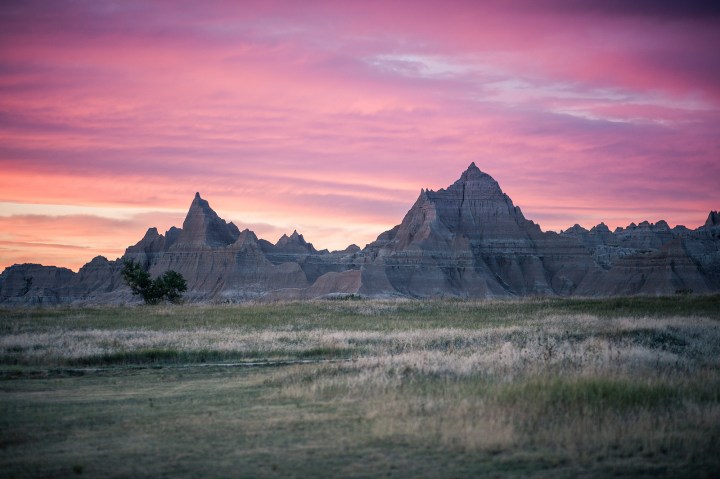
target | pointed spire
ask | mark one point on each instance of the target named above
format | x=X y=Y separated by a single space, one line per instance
x=713 y=219
x=476 y=185
x=151 y=233
x=203 y=227
x=295 y=243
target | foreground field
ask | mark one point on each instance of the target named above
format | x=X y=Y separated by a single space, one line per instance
x=546 y=388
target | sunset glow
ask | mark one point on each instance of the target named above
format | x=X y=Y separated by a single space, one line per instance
x=329 y=117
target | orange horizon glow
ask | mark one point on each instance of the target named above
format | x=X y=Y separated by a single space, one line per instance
x=329 y=117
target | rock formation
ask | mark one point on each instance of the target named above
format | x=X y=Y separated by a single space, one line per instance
x=35 y=284
x=468 y=240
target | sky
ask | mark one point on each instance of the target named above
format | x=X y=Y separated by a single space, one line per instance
x=328 y=117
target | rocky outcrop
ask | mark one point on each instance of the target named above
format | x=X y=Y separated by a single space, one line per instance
x=98 y=277
x=466 y=240
x=703 y=246
x=293 y=244
x=203 y=229
x=713 y=220
x=664 y=271
x=469 y=240
x=151 y=246
x=652 y=258
x=35 y=285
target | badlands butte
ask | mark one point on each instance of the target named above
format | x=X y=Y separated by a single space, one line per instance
x=466 y=241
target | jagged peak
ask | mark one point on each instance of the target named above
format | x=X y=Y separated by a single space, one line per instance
x=173 y=233
x=203 y=227
x=198 y=201
x=151 y=233
x=295 y=242
x=662 y=225
x=151 y=241
x=233 y=229
x=713 y=219
x=473 y=182
x=294 y=238
x=473 y=171
x=247 y=233
x=246 y=236
x=99 y=259
x=353 y=248
x=600 y=228
x=477 y=184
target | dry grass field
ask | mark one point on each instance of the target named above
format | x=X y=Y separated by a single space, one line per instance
x=626 y=387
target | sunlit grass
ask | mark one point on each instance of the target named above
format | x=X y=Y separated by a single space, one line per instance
x=547 y=388
x=350 y=315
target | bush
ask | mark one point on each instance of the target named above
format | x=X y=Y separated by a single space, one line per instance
x=169 y=286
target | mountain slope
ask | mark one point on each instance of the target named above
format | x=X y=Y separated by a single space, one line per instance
x=466 y=240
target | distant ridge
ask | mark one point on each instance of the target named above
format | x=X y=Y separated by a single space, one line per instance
x=467 y=240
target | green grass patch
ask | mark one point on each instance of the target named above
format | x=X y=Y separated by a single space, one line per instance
x=583 y=395
x=540 y=387
x=351 y=315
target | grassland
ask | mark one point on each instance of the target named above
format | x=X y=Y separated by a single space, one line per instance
x=534 y=388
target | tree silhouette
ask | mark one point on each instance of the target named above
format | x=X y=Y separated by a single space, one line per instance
x=169 y=286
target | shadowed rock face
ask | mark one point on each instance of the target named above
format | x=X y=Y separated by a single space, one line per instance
x=295 y=243
x=476 y=208
x=713 y=220
x=468 y=240
x=203 y=228
x=35 y=284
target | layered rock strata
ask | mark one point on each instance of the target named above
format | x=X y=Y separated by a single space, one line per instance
x=468 y=240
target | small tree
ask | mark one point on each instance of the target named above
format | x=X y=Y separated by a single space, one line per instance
x=169 y=286
x=138 y=279
x=172 y=285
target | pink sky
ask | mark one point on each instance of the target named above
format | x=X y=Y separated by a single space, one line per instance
x=328 y=117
